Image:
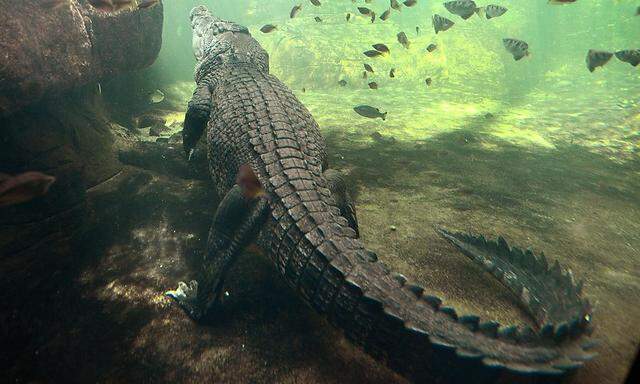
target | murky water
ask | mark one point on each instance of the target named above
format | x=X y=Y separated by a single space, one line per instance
x=540 y=150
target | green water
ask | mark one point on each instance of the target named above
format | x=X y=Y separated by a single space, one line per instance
x=542 y=100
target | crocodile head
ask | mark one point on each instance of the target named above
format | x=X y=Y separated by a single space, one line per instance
x=219 y=40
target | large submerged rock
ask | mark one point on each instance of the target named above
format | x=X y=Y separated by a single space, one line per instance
x=46 y=51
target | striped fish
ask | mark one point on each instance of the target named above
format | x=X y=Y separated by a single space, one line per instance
x=441 y=24
x=517 y=48
x=597 y=59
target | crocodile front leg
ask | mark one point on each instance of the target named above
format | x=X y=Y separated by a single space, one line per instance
x=235 y=224
x=196 y=118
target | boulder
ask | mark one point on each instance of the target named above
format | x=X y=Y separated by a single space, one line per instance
x=46 y=51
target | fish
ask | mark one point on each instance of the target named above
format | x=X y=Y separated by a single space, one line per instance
x=268 y=28
x=597 y=59
x=462 y=8
x=381 y=48
x=631 y=56
x=143 y=4
x=373 y=17
x=373 y=85
x=638 y=11
x=395 y=5
x=417 y=30
x=491 y=11
x=304 y=90
x=342 y=82
x=317 y=3
x=24 y=187
x=392 y=73
x=364 y=74
x=410 y=3
x=403 y=39
x=432 y=47
x=156 y=96
x=556 y=2
x=428 y=81
x=372 y=53
x=317 y=19
x=370 y=112
x=368 y=68
x=517 y=48
x=295 y=10
x=348 y=16
x=441 y=24
x=249 y=183
x=53 y=4
x=385 y=15
x=364 y=10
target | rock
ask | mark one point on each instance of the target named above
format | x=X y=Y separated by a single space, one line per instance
x=46 y=52
x=158 y=129
x=148 y=120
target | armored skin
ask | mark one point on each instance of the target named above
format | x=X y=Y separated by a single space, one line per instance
x=305 y=222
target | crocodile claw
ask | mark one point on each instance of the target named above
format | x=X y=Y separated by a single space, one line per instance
x=186 y=296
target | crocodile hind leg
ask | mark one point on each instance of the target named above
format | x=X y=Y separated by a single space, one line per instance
x=234 y=225
x=338 y=187
x=196 y=118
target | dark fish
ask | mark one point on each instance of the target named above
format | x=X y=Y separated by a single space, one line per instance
x=348 y=16
x=428 y=81
x=317 y=19
x=631 y=56
x=304 y=90
x=517 y=48
x=381 y=48
x=147 y=3
x=370 y=112
x=597 y=59
x=395 y=5
x=373 y=85
x=268 y=28
x=462 y=8
x=372 y=53
x=249 y=183
x=342 y=82
x=295 y=10
x=373 y=17
x=23 y=187
x=491 y=11
x=364 y=10
x=638 y=11
x=403 y=39
x=368 y=68
x=441 y=24
x=432 y=47
x=392 y=73
x=385 y=15
x=417 y=30
x=410 y=3
x=316 y=3
x=556 y=2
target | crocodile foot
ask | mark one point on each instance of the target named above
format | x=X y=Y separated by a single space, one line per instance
x=186 y=295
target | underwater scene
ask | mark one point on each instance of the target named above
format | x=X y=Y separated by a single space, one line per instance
x=319 y=191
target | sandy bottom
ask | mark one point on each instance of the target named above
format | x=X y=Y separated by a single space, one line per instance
x=561 y=177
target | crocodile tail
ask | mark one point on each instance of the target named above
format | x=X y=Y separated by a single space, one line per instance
x=418 y=336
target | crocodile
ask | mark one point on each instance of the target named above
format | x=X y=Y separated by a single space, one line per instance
x=268 y=159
